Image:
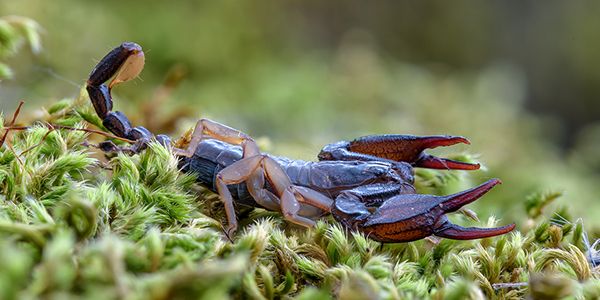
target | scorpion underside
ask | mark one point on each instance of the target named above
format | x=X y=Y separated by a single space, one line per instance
x=366 y=184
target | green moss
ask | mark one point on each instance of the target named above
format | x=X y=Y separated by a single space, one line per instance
x=133 y=227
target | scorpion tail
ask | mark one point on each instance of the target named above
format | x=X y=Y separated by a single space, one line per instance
x=123 y=63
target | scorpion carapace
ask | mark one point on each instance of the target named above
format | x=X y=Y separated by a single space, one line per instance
x=366 y=184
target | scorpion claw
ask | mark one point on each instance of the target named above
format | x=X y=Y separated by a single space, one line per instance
x=395 y=147
x=434 y=141
x=409 y=217
x=433 y=162
x=424 y=160
x=444 y=228
x=455 y=232
x=452 y=203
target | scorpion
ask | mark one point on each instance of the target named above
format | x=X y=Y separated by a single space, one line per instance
x=366 y=184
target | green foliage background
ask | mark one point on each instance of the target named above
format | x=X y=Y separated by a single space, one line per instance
x=297 y=76
x=75 y=227
x=293 y=73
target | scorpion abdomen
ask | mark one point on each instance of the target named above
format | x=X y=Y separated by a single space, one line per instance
x=210 y=158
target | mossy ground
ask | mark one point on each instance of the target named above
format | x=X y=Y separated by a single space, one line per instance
x=76 y=225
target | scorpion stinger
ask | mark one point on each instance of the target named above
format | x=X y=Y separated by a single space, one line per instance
x=366 y=184
x=399 y=148
x=123 y=63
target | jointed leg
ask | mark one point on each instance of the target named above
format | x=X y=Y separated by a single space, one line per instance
x=206 y=128
x=262 y=196
x=251 y=170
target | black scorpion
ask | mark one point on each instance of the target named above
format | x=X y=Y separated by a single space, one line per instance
x=366 y=184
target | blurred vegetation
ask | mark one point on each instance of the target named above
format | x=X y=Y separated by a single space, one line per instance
x=14 y=32
x=519 y=79
x=76 y=227
x=304 y=75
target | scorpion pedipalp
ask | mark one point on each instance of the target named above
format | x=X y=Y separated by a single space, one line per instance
x=366 y=184
x=398 y=148
x=409 y=217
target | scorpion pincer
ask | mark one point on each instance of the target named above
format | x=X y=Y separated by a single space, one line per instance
x=366 y=184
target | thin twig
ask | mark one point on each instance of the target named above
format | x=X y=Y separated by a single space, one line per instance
x=40 y=142
x=52 y=127
x=76 y=129
x=96 y=132
x=14 y=119
x=8 y=144
x=16 y=113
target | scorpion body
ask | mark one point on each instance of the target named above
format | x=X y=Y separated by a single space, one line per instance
x=327 y=177
x=366 y=184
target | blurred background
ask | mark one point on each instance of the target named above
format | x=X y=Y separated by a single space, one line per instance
x=521 y=79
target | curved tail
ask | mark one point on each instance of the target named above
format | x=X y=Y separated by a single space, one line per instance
x=123 y=63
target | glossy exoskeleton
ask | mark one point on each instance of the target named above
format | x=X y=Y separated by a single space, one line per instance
x=366 y=184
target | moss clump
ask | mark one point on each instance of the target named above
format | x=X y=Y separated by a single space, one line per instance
x=75 y=226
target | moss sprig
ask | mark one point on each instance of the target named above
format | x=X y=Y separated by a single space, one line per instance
x=133 y=227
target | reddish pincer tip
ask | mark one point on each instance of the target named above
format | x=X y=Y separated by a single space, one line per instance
x=435 y=141
x=434 y=162
x=458 y=165
x=490 y=232
x=455 y=201
x=461 y=139
x=456 y=232
x=488 y=185
x=508 y=228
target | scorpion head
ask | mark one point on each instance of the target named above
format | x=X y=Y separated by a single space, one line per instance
x=409 y=217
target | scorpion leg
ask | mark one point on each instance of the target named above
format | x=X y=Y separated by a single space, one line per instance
x=262 y=196
x=268 y=200
x=251 y=168
x=235 y=173
x=206 y=128
x=398 y=148
x=292 y=197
